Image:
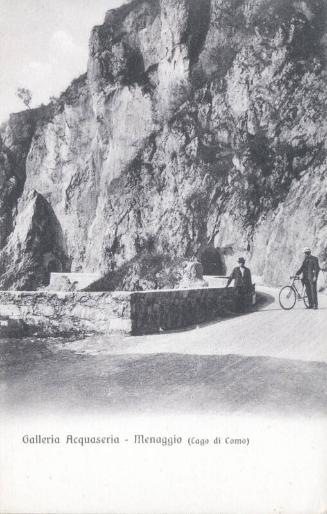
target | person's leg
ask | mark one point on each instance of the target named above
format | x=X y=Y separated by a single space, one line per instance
x=308 y=289
x=315 y=295
x=238 y=299
x=243 y=297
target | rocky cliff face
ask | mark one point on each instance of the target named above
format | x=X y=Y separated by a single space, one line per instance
x=199 y=129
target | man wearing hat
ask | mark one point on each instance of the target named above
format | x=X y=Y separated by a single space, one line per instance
x=310 y=270
x=243 y=284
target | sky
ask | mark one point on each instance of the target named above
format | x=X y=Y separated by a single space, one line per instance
x=43 y=46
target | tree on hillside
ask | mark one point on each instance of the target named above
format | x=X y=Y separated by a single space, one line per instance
x=25 y=95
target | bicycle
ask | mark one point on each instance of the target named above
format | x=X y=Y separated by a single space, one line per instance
x=289 y=294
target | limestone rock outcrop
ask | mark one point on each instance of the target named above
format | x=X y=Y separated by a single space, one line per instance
x=193 y=276
x=199 y=124
x=34 y=248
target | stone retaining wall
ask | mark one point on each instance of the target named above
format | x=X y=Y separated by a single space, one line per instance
x=68 y=312
x=132 y=313
x=153 y=311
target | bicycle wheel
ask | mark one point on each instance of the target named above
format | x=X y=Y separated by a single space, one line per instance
x=287 y=298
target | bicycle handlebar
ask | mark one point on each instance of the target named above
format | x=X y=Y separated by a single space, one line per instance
x=295 y=277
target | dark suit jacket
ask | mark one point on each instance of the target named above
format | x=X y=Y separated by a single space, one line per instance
x=243 y=281
x=310 y=268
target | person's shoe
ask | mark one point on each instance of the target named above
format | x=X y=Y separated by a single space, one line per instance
x=310 y=307
x=315 y=306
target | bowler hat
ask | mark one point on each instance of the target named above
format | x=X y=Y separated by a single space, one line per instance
x=241 y=260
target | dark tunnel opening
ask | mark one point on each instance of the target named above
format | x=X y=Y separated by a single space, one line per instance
x=212 y=262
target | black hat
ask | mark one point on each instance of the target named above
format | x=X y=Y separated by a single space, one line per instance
x=241 y=260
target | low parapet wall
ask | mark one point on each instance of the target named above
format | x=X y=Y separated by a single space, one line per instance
x=68 y=312
x=127 y=312
x=152 y=311
x=78 y=281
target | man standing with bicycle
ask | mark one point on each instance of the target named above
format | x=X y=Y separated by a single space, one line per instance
x=310 y=270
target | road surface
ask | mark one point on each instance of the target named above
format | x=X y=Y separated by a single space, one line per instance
x=265 y=361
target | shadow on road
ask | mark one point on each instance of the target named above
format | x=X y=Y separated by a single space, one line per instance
x=40 y=380
x=264 y=299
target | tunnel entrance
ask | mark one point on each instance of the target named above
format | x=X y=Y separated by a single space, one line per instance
x=212 y=262
x=52 y=266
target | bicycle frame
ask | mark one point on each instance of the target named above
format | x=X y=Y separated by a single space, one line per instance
x=299 y=294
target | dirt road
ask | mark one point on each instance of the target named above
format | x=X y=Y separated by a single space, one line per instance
x=265 y=361
x=269 y=331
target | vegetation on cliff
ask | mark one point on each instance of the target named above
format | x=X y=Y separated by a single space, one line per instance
x=199 y=125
